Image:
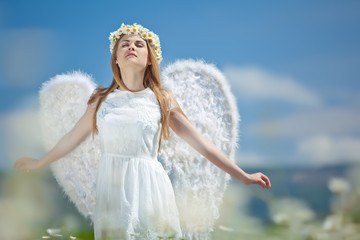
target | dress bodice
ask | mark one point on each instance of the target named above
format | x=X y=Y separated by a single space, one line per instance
x=129 y=124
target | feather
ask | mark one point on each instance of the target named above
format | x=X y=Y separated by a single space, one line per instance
x=205 y=97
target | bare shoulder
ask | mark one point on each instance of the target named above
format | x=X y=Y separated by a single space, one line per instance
x=95 y=97
x=172 y=103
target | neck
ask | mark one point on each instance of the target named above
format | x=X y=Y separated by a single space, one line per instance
x=133 y=79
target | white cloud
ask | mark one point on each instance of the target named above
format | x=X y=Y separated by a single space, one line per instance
x=255 y=83
x=250 y=159
x=333 y=121
x=324 y=149
x=21 y=133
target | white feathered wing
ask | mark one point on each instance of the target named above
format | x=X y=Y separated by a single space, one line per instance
x=205 y=97
x=63 y=100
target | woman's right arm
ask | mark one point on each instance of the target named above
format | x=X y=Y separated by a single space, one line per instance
x=66 y=144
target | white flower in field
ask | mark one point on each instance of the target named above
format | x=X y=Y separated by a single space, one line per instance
x=71 y=237
x=54 y=232
x=287 y=210
x=332 y=223
x=45 y=237
x=281 y=218
x=226 y=229
x=338 y=185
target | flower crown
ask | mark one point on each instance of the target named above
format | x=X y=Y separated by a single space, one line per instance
x=144 y=33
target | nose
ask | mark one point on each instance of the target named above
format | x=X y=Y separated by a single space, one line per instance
x=131 y=47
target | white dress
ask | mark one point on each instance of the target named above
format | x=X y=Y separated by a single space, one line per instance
x=134 y=195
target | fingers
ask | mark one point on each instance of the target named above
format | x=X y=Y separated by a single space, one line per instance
x=266 y=181
x=19 y=166
x=18 y=163
x=259 y=178
x=262 y=183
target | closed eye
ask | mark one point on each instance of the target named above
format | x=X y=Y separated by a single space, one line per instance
x=138 y=45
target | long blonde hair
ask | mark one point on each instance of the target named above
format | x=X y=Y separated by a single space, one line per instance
x=151 y=80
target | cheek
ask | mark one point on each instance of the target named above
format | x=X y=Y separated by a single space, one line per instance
x=144 y=54
x=119 y=52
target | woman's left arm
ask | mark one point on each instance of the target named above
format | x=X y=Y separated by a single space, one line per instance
x=183 y=127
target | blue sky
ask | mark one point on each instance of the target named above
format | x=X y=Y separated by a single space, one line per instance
x=294 y=67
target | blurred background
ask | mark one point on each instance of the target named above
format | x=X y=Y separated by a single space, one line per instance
x=293 y=66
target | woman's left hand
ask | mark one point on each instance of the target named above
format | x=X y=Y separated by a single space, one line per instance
x=258 y=178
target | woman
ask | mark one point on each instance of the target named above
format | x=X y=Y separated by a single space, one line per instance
x=134 y=196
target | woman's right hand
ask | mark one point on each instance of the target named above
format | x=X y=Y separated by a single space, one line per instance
x=67 y=143
x=27 y=164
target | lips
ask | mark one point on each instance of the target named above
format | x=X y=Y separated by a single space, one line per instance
x=131 y=54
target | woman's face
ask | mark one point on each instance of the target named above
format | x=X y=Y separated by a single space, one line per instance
x=132 y=50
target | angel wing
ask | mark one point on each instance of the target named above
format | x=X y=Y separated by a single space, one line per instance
x=63 y=100
x=205 y=97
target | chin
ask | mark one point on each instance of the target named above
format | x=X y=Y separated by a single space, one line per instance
x=135 y=64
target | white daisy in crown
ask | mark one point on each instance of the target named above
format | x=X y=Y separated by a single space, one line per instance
x=144 y=33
